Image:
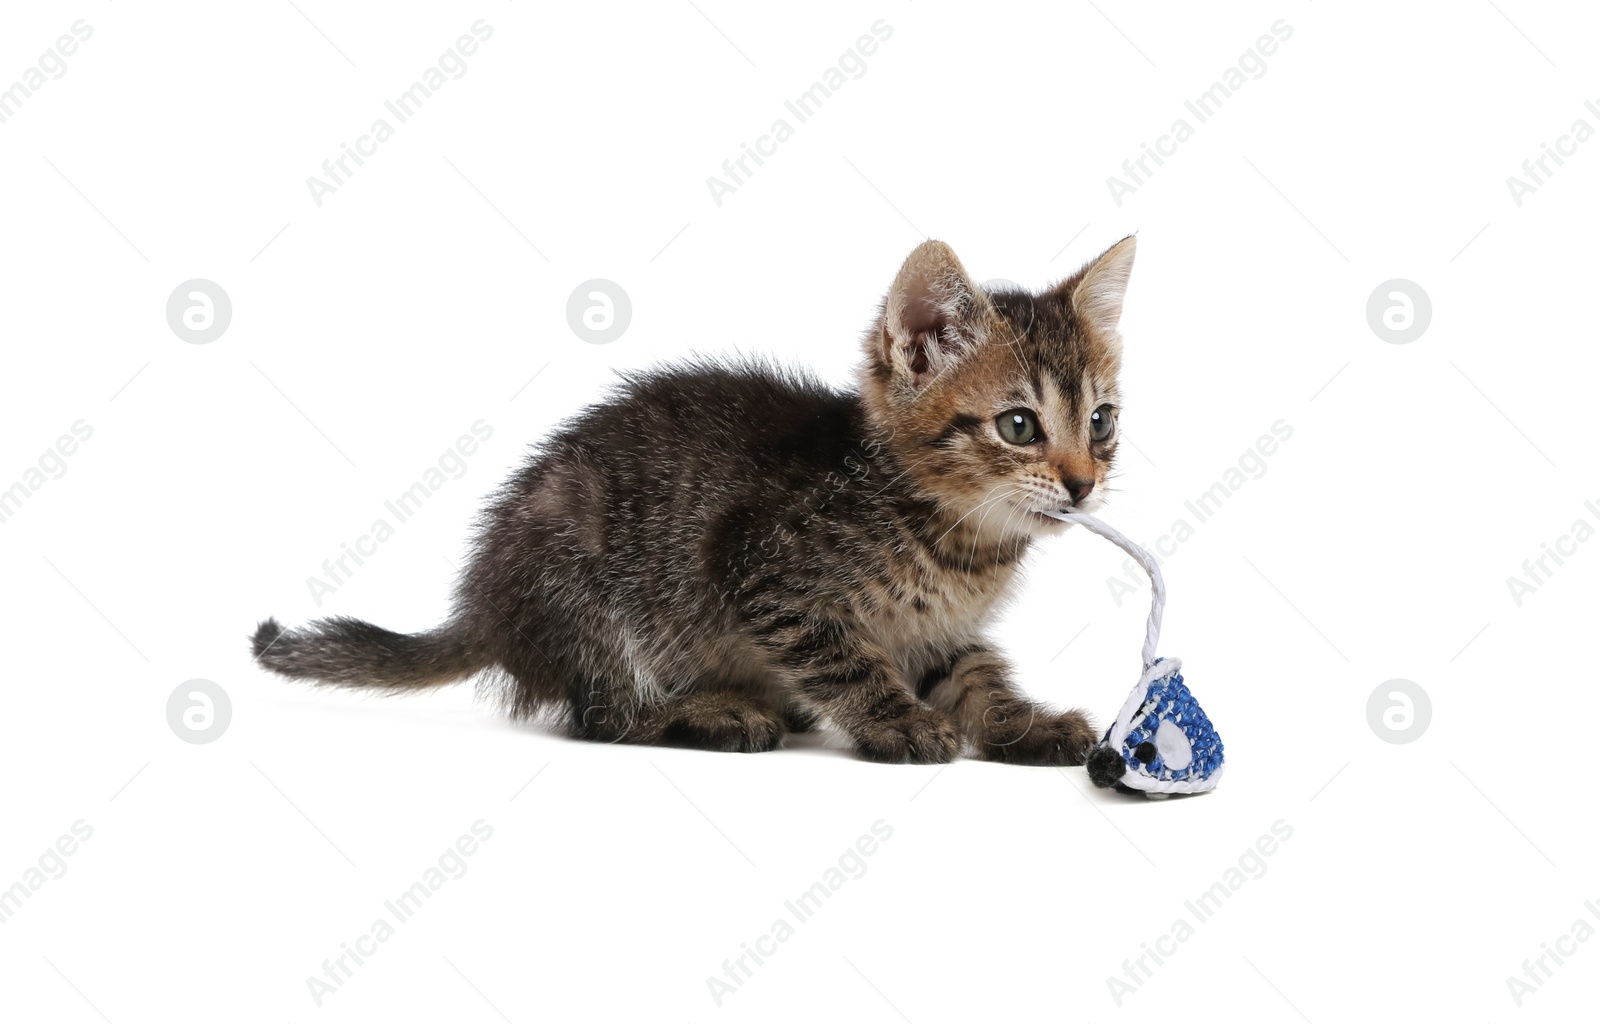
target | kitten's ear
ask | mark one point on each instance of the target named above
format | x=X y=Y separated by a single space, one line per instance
x=1096 y=291
x=933 y=316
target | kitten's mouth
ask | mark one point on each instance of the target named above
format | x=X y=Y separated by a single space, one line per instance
x=1047 y=519
x=1050 y=516
x=1044 y=516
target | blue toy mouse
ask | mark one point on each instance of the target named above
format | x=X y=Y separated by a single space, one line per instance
x=1161 y=742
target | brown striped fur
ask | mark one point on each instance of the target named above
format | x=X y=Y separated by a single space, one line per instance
x=719 y=554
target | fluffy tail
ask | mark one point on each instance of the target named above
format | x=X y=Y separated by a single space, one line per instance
x=348 y=652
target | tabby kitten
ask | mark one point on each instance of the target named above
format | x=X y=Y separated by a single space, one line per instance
x=719 y=554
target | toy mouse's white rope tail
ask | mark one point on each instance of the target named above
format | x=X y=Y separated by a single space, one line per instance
x=1158 y=599
x=1152 y=636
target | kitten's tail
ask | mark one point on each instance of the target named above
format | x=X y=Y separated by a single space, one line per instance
x=343 y=651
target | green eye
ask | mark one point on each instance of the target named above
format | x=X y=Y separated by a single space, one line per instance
x=1102 y=424
x=1019 y=426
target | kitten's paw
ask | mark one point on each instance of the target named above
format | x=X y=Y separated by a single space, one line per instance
x=1025 y=735
x=921 y=736
x=735 y=730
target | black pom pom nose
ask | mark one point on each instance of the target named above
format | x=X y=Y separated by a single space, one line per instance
x=1105 y=766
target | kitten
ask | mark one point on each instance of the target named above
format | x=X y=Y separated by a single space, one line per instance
x=720 y=554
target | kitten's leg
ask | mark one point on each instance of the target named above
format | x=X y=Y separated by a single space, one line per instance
x=974 y=687
x=838 y=675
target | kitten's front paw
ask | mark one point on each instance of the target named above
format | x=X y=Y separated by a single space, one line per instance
x=920 y=736
x=1028 y=736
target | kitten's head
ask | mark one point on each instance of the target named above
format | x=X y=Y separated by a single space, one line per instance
x=1000 y=399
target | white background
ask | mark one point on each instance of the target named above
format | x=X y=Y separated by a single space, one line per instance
x=369 y=332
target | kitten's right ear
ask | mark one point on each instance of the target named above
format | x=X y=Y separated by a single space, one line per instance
x=933 y=316
x=1096 y=292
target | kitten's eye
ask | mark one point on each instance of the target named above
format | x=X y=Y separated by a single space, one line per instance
x=1102 y=424
x=1019 y=426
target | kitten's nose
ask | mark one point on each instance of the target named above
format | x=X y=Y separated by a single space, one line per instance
x=1079 y=487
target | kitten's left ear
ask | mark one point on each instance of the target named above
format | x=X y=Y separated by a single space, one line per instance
x=1096 y=291
x=933 y=316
